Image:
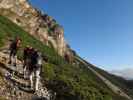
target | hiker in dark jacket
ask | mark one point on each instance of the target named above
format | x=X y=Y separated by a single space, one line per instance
x=32 y=64
x=36 y=61
x=27 y=54
x=14 y=46
x=34 y=58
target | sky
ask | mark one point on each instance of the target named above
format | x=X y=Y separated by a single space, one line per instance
x=100 y=31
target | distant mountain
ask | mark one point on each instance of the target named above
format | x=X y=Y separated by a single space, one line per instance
x=125 y=73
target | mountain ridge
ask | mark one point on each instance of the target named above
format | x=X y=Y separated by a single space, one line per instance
x=125 y=73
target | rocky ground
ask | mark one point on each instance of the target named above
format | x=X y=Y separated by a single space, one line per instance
x=14 y=87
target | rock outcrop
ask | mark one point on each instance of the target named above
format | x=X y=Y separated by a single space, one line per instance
x=36 y=23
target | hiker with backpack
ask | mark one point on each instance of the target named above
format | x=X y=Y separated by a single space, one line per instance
x=36 y=64
x=14 y=46
x=26 y=58
x=32 y=65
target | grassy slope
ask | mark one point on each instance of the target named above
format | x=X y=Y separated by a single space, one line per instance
x=70 y=82
x=125 y=85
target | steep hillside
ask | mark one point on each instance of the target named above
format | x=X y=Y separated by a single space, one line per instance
x=38 y=24
x=70 y=82
x=125 y=85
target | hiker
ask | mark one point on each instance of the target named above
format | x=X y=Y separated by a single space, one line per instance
x=15 y=44
x=32 y=64
x=27 y=58
x=38 y=70
x=35 y=68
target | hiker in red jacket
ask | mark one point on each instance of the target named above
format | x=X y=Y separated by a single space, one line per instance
x=14 y=46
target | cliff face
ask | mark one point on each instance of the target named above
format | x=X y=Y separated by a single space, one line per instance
x=37 y=24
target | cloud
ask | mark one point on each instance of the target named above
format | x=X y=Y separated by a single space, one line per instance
x=125 y=73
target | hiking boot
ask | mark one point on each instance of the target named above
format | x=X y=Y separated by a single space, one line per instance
x=9 y=62
x=14 y=64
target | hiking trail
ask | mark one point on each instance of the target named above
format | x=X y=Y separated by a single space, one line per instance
x=19 y=88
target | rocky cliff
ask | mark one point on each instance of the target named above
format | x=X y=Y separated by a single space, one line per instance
x=41 y=26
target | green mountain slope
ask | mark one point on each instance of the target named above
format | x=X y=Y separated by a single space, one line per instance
x=70 y=82
x=125 y=85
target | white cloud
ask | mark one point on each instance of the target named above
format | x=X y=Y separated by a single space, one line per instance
x=125 y=73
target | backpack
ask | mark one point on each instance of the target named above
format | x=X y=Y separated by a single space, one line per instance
x=13 y=45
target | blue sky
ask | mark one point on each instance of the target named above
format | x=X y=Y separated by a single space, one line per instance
x=101 y=31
